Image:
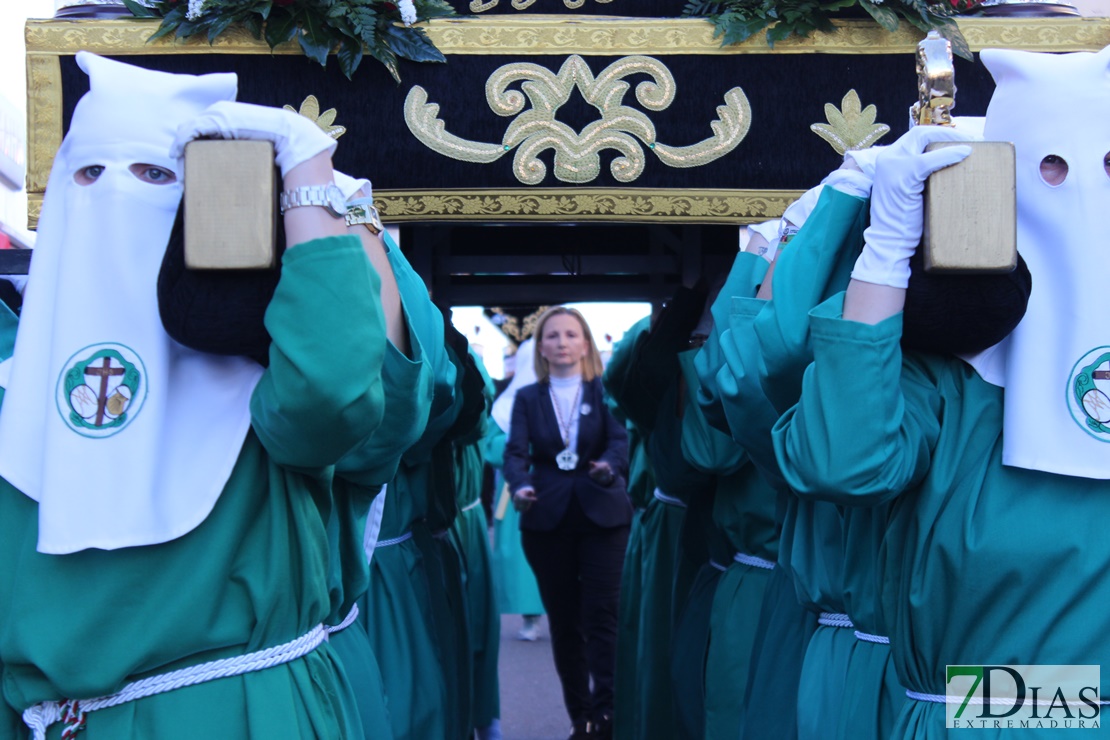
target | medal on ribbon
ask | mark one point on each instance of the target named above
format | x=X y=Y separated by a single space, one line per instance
x=568 y=458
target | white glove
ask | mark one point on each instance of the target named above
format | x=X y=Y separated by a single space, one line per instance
x=351 y=187
x=897 y=208
x=864 y=159
x=296 y=139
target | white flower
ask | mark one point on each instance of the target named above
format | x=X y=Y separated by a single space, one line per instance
x=408 y=11
x=196 y=7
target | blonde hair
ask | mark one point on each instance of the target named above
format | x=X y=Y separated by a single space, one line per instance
x=591 y=363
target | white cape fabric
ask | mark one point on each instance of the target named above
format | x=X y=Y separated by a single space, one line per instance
x=123 y=436
x=525 y=374
x=1055 y=366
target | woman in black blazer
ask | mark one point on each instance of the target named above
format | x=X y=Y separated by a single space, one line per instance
x=565 y=462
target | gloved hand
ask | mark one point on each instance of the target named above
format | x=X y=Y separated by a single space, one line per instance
x=897 y=206
x=863 y=160
x=296 y=139
x=351 y=187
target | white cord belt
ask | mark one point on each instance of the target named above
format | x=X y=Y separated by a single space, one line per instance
x=829 y=619
x=472 y=505
x=718 y=566
x=72 y=711
x=347 y=621
x=753 y=561
x=669 y=499
x=878 y=639
x=396 y=540
x=978 y=701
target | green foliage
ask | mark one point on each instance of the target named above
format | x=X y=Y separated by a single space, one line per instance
x=735 y=21
x=350 y=28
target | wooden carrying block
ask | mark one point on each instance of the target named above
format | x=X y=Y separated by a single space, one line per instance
x=971 y=211
x=230 y=205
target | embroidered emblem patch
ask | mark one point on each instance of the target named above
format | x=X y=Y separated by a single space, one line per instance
x=101 y=389
x=1089 y=393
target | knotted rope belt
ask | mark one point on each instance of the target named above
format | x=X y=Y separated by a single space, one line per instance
x=670 y=500
x=877 y=639
x=830 y=619
x=73 y=711
x=752 y=560
x=395 y=540
x=978 y=701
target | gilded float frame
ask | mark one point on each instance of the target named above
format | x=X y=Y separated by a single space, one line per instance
x=49 y=40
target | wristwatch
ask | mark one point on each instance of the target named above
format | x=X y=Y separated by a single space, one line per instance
x=329 y=196
x=359 y=212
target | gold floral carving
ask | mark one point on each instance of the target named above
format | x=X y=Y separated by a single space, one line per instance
x=520 y=35
x=511 y=327
x=310 y=109
x=538 y=34
x=585 y=204
x=850 y=127
x=481 y=6
x=536 y=129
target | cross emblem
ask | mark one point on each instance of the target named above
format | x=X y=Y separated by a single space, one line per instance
x=103 y=372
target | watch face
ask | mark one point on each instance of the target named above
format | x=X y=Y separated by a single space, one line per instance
x=336 y=202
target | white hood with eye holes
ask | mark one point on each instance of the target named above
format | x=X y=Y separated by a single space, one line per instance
x=1055 y=366
x=124 y=437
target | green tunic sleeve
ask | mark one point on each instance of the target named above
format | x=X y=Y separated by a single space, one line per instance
x=893 y=420
x=309 y=413
x=749 y=414
x=743 y=280
x=704 y=447
x=815 y=264
x=427 y=322
x=407 y=385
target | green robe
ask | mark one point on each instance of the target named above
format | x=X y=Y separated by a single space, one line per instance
x=650 y=395
x=732 y=398
x=971 y=567
x=471 y=538
x=767 y=348
x=396 y=610
x=744 y=512
x=641 y=484
x=253 y=574
x=359 y=477
x=514 y=582
x=443 y=556
x=841 y=574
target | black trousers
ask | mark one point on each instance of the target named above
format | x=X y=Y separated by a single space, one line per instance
x=578 y=569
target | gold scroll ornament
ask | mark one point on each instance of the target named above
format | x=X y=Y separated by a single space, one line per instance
x=971 y=207
x=481 y=6
x=536 y=129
